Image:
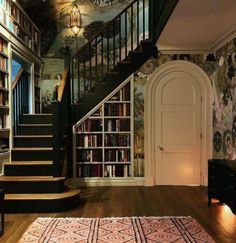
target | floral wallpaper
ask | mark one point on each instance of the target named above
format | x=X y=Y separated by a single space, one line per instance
x=221 y=68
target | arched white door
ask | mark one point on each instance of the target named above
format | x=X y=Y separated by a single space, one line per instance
x=178 y=125
x=177 y=130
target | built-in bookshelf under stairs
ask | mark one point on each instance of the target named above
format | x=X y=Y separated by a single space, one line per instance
x=28 y=180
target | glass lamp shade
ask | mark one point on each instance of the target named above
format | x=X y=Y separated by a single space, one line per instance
x=75 y=20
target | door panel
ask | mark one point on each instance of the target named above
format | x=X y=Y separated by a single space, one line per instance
x=177 y=130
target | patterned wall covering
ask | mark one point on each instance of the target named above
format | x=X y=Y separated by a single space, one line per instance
x=221 y=68
x=94 y=14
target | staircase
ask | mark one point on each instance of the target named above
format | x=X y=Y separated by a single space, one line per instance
x=33 y=181
x=29 y=181
x=117 y=51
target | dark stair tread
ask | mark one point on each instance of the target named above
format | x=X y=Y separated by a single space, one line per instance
x=18 y=163
x=38 y=114
x=32 y=149
x=30 y=178
x=35 y=125
x=33 y=136
x=43 y=196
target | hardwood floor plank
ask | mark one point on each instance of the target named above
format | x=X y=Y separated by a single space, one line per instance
x=217 y=220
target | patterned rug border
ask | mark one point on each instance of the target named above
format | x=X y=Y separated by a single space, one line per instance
x=33 y=230
x=125 y=217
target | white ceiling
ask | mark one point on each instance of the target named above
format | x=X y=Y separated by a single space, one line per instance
x=199 y=25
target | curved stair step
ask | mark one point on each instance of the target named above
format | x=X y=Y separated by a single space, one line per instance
x=42 y=202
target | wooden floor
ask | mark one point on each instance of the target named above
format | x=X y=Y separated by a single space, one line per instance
x=218 y=220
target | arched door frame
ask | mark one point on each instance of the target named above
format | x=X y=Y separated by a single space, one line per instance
x=206 y=91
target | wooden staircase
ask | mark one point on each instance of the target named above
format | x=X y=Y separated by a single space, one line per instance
x=28 y=180
x=115 y=52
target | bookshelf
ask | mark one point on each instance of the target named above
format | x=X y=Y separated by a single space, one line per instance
x=13 y=17
x=4 y=98
x=103 y=140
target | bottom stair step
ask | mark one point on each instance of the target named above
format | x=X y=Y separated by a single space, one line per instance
x=42 y=202
x=32 y=184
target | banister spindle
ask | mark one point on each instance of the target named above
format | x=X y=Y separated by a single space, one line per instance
x=108 y=50
x=114 y=45
x=144 y=19
x=120 y=39
x=132 y=27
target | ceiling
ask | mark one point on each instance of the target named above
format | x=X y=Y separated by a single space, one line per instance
x=199 y=25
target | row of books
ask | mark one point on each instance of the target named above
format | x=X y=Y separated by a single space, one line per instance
x=20 y=33
x=116 y=125
x=89 y=155
x=97 y=171
x=20 y=18
x=89 y=140
x=3 y=46
x=3 y=121
x=89 y=171
x=120 y=140
x=3 y=79
x=117 y=155
x=117 y=109
x=122 y=95
x=3 y=63
x=117 y=171
x=2 y=98
x=90 y=126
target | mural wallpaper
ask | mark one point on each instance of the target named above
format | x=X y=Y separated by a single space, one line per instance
x=57 y=39
x=221 y=68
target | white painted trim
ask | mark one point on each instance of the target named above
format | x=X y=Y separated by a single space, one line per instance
x=94 y=182
x=206 y=90
x=167 y=49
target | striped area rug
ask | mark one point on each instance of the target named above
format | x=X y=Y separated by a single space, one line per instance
x=116 y=230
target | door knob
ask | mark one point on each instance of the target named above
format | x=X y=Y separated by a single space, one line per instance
x=161 y=148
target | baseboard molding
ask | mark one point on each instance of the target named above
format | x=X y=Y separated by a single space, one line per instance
x=94 y=182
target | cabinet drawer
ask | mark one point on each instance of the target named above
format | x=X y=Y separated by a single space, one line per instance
x=232 y=178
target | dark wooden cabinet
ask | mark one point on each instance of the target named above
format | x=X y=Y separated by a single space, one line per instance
x=222 y=182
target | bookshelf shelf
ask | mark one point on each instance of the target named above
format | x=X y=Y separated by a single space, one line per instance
x=103 y=140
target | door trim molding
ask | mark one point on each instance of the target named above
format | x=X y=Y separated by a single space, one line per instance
x=206 y=116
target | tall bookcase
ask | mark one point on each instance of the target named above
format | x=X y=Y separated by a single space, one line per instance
x=4 y=98
x=14 y=18
x=103 y=140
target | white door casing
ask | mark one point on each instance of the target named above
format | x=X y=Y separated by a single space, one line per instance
x=193 y=78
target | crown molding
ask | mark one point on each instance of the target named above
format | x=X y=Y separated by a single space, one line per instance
x=167 y=49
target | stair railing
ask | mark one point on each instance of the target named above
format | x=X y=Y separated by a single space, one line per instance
x=109 y=46
x=62 y=126
x=20 y=91
x=140 y=20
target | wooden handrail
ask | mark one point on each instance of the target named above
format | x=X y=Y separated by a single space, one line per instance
x=17 y=78
x=61 y=87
